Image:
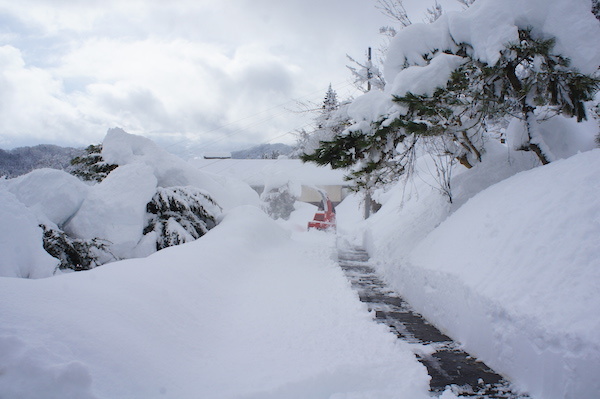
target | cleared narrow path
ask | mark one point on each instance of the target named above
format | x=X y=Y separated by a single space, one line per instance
x=446 y=363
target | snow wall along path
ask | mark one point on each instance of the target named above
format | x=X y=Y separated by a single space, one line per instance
x=514 y=275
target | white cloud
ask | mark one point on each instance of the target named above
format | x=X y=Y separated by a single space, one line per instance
x=172 y=69
x=31 y=103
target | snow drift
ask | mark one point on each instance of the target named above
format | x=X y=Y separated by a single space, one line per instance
x=234 y=314
x=513 y=274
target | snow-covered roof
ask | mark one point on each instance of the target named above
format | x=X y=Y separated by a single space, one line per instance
x=258 y=172
x=217 y=155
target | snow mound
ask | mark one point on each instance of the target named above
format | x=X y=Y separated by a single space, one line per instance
x=52 y=194
x=513 y=274
x=115 y=209
x=30 y=373
x=22 y=253
x=564 y=136
x=121 y=148
x=246 y=311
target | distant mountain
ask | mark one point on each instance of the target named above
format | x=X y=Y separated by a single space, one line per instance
x=22 y=160
x=263 y=151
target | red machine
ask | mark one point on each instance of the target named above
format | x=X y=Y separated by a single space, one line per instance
x=325 y=217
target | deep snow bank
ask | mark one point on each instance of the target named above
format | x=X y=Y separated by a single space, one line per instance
x=514 y=274
x=22 y=253
x=114 y=211
x=243 y=312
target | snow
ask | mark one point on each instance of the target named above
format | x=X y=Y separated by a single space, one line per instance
x=512 y=274
x=274 y=318
x=258 y=308
x=423 y=80
x=259 y=172
x=370 y=106
x=21 y=254
x=115 y=209
x=52 y=194
x=121 y=148
x=489 y=25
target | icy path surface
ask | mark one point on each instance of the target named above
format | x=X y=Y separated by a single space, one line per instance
x=244 y=312
x=453 y=371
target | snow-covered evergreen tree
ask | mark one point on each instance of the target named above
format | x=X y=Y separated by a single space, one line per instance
x=331 y=120
x=452 y=89
x=91 y=166
x=279 y=199
x=73 y=253
x=180 y=214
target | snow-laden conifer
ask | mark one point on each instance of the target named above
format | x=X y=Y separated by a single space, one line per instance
x=449 y=80
x=278 y=200
x=180 y=214
x=73 y=253
x=91 y=166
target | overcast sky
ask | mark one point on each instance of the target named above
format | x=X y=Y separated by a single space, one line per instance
x=203 y=74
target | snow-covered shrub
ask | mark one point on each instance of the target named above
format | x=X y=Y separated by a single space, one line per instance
x=21 y=251
x=279 y=201
x=53 y=195
x=115 y=209
x=91 y=166
x=75 y=254
x=180 y=214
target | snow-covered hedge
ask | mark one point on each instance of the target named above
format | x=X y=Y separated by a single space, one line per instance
x=150 y=200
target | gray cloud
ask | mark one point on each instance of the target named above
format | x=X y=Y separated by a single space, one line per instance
x=174 y=71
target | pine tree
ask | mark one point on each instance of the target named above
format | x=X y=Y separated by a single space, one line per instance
x=330 y=121
x=91 y=166
x=528 y=75
x=279 y=202
x=180 y=214
x=74 y=254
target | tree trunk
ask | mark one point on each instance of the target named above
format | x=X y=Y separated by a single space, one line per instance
x=536 y=142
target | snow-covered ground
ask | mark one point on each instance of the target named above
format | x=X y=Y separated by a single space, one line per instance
x=258 y=308
x=513 y=274
x=250 y=310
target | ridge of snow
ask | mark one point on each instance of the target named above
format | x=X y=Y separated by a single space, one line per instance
x=512 y=274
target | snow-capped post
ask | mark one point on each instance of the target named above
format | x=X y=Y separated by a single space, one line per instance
x=369 y=66
x=368 y=200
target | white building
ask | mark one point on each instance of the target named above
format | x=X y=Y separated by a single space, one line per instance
x=259 y=173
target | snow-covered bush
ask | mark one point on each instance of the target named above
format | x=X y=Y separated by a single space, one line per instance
x=143 y=199
x=73 y=253
x=53 y=195
x=279 y=199
x=115 y=209
x=91 y=166
x=180 y=214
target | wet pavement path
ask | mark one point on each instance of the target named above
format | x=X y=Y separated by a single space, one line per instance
x=446 y=363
